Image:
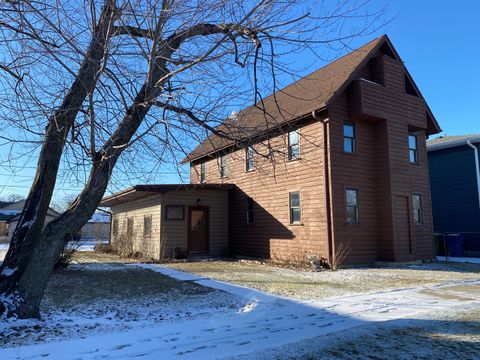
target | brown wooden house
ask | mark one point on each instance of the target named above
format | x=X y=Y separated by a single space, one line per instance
x=333 y=163
x=345 y=166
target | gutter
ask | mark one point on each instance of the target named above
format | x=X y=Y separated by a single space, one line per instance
x=327 y=175
x=477 y=168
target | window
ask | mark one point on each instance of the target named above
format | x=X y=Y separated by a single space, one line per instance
x=203 y=172
x=129 y=228
x=417 y=209
x=412 y=149
x=293 y=145
x=348 y=137
x=223 y=166
x=115 y=227
x=249 y=206
x=147 y=225
x=174 y=212
x=249 y=164
x=351 y=209
x=295 y=214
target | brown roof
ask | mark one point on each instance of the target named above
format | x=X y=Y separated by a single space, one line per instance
x=140 y=191
x=294 y=102
x=297 y=100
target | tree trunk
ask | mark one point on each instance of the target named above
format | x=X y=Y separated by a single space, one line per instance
x=28 y=237
x=53 y=238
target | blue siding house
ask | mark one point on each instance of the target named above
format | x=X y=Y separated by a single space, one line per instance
x=455 y=186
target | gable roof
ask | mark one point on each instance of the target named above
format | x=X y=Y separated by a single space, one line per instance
x=312 y=93
x=444 y=142
x=4 y=203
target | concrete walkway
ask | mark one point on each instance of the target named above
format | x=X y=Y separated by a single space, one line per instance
x=265 y=321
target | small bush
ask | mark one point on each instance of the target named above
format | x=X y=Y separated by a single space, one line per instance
x=102 y=248
x=66 y=256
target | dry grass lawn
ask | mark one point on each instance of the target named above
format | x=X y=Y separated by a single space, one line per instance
x=309 y=285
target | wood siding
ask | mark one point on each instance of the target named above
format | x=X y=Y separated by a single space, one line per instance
x=174 y=232
x=148 y=247
x=384 y=115
x=269 y=185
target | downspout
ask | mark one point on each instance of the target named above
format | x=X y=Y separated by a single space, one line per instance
x=331 y=245
x=477 y=168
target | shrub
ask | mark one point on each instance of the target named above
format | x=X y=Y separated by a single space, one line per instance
x=66 y=256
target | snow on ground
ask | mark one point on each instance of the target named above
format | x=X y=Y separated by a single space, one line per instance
x=95 y=299
x=83 y=245
x=262 y=322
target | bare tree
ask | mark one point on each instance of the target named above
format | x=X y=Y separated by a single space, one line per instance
x=86 y=82
x=12 y=197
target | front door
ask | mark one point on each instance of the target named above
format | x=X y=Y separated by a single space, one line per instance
x=197 y=229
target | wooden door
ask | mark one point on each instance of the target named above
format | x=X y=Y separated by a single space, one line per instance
x=197 y=229
x=403 y=228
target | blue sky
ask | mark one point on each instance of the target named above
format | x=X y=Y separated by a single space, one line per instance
x=435 y=39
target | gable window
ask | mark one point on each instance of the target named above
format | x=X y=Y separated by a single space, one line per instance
x=115 y=227
x=249 y=206
x=293 y=145
x=351 y=208
x=348 y=137
x=412 y=149
x=417 y=208
x=147 y=225
x=295 y=212
x=203 y=172
x=223 y=166
x=249 y=163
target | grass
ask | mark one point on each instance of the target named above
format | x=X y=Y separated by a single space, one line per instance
x=308 y=285
x=91 y=297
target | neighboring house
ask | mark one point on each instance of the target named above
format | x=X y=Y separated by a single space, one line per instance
x=97 y=227
x=455 y=187
x=4 y=216
x=16 y=210
x=345 y=171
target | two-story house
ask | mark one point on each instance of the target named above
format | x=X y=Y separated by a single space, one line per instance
x=333 y=164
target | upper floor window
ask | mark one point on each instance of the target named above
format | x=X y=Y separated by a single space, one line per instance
x=223 y=166
x=348 y=137
x=147 y=225
x=417 y=209
x=295 y=212
x=249 y=210
x=351 y=208
x=412 y=149
x=249 y=163
x=293 y=145
x=203 y=172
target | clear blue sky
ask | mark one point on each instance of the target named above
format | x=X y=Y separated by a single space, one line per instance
x=439 y=43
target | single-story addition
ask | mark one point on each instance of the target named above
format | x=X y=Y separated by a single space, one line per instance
x=151 y=221
x=455 y=186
